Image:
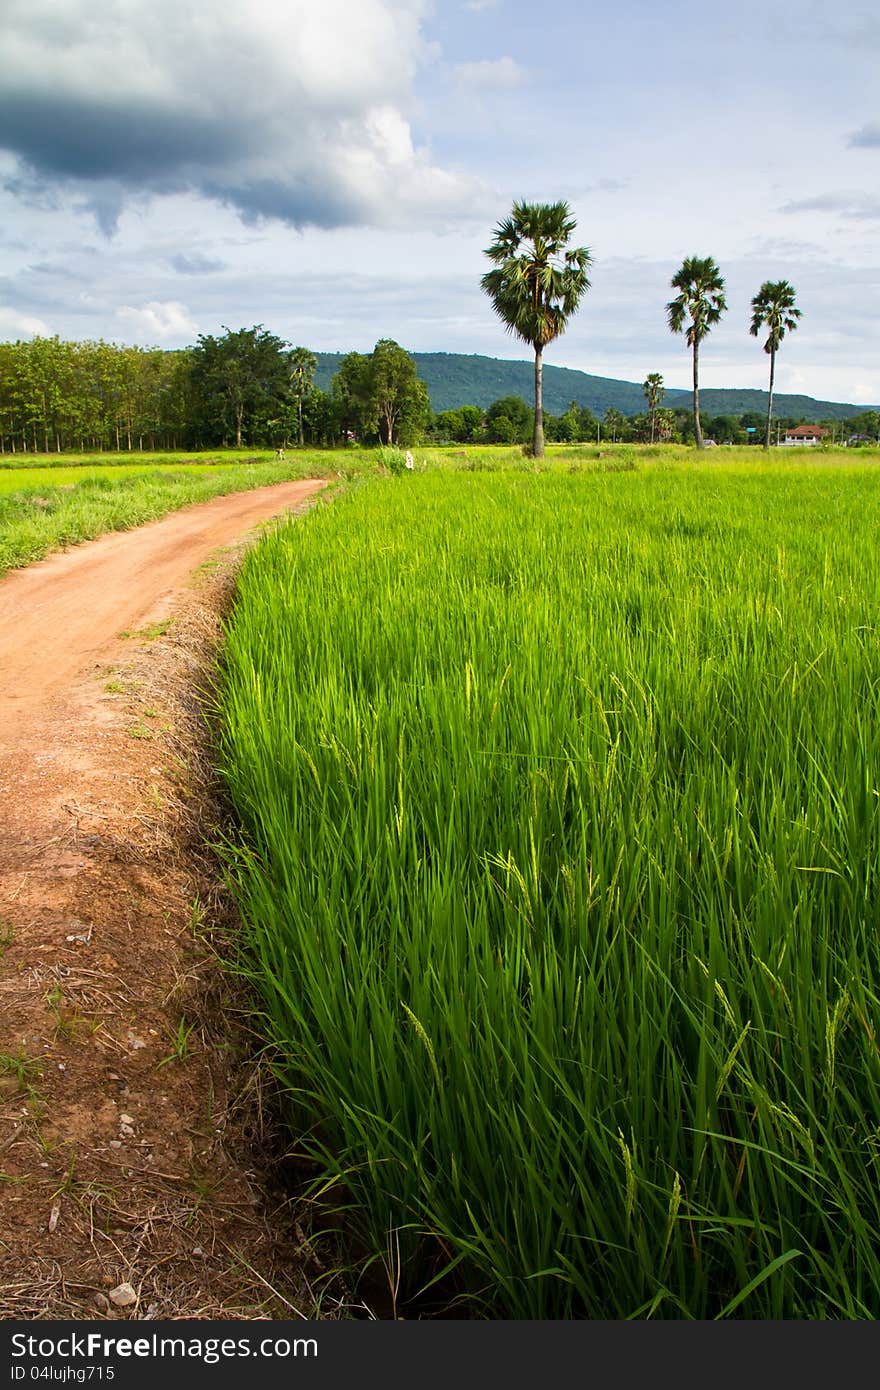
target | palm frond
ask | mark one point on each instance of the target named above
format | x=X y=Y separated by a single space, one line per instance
x=701 y=298
x=774 y=308
x=538 y=280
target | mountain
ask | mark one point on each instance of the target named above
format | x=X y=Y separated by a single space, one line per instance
x=455 y=379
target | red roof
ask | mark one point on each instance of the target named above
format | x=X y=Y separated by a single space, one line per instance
x=806 y=432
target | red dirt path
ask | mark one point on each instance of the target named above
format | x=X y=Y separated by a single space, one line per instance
x=60 y=614
x=118 y=1166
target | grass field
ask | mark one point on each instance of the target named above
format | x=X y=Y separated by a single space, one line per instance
x=51 y=506
x=560 y=875
x=73 y=475
x=139 y=461
x=47 y=505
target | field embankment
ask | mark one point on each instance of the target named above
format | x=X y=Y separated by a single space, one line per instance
x=561 y=878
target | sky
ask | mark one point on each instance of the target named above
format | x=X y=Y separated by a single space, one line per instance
x=334 y=172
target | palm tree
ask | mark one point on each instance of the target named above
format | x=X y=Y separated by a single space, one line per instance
x=773 y=307
x=536 y=284
x=302 y=371
x=654 y=391
x=614 y=421
x=700 y=298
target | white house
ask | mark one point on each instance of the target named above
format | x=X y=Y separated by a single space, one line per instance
x=805 y=434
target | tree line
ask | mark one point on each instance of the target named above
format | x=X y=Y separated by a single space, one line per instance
x=510 y=420
x=242 y=388
x=248 y=388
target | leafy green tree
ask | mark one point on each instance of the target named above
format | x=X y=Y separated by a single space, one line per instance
x=699 y=303
x=569 y=427
x=537 y=282
x=726 y=429
x=400 y=400
x=463 y=424
x=351 y=397
x=502 y=430
x=241 y=377
x=577 y=424
x=176 y=408
x=508 y=421
x=654 y=391
x=473 y=420
x=302 y=376
x=318 y=420
x=773 y=308
x=864 y=426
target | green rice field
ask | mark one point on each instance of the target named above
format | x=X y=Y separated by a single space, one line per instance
x=560 y=881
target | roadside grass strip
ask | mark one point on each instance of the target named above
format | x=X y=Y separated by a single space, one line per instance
x=50 y=514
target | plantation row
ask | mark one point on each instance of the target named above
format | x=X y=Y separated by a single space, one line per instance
x=560 y=881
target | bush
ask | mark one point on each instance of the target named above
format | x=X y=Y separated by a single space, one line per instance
x=391 y=458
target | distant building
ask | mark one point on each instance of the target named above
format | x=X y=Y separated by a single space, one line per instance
x=805 y=434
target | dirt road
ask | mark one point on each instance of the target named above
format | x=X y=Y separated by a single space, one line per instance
x=120 y=1160
x=61 y=614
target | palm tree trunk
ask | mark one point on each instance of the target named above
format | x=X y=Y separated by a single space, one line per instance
x=770 y=398
x=299 y=411
x=538 y=437
x=698 y=433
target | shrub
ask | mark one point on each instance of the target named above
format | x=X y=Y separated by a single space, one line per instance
x=391 y=458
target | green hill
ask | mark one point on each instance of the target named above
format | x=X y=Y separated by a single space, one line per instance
x=456 y=379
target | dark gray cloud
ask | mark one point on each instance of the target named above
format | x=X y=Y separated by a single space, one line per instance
x=304 y=200
x=866 y=138
x=860 y=207
x=194 y=263
x=52 y=268
x=286 y=110
x=105 y=203
x=75 y=136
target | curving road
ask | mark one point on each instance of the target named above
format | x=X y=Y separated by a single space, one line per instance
x=57 y=617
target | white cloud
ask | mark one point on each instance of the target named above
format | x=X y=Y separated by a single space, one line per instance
x=166 y=321
x=16 y=325
x=490 y=74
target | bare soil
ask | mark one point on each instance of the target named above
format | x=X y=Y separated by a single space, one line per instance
x=134 y=1138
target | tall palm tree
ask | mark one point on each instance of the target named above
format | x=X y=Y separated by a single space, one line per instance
x=536 y=283
x=701 y=299
x=773 y=307
x=654 y=391
x=302 y=371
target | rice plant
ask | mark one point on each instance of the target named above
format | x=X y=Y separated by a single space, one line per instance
x=559 y=880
